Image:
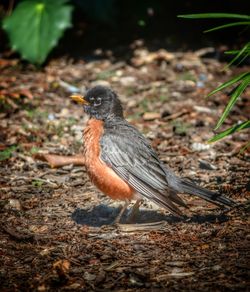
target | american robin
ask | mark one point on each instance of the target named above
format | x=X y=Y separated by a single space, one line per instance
x=121 y=163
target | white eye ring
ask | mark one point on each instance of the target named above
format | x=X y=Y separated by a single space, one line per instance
x=91 y=98
x=98 y=101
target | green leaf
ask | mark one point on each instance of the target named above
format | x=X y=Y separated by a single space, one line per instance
x=234 y=52
x=227 y=25
x=244 y=50
x=215 y=15
x=230 y=131
x=229 y=83
x=35 y=27
x=245 y=147
x=237 y=92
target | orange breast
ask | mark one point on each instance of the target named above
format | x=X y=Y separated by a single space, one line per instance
x=101 y=175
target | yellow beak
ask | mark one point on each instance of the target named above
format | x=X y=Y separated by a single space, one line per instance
x=79 y=98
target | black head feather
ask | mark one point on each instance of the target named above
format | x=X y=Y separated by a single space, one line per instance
x=103 y=103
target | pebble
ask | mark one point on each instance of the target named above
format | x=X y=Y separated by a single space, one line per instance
x=200 y=84
x=100 y=82
x=51 y=117
x=176 y=95
x=151 y=135
x=200 y=146
x=185 y=86
x=202 y=109
x=131 y=103
x=216 y=268
x=127 y=80
x=64 y=113
x=119 y=73
x=89 y=277
x=202 y=77
x=13 y=204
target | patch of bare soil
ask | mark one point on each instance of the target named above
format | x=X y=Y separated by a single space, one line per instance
x=55 y=232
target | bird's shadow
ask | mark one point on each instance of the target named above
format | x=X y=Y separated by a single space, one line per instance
x=105 y=215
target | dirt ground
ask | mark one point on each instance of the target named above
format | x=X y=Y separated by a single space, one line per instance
x=55 y=232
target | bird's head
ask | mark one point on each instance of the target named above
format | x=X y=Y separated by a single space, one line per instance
x=100 y=102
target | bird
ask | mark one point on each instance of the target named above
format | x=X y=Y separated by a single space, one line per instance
x=122 y=164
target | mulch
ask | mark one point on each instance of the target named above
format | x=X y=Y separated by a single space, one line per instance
x=55 y=227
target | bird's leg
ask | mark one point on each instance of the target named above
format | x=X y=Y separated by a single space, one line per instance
x=134 y=211
x=123 y=209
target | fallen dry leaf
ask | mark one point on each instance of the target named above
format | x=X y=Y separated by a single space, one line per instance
x=61 y=267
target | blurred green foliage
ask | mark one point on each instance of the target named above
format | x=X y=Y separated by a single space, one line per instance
x=7 y=153
x=35 y=26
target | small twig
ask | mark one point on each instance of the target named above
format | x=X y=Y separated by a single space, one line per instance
x=176 y=115
x=142 y=227
x=60 y=161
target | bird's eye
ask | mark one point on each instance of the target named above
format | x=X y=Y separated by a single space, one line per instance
x=98 y=101
x=91 y=99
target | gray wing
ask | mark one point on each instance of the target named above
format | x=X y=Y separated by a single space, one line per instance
x=129 y=154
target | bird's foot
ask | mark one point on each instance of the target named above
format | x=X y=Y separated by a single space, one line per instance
x=119 y=216
x=134 y=212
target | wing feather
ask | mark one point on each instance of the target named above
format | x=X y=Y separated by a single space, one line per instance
x=136 y=162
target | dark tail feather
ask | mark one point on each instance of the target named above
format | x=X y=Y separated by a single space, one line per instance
x=176 y=199
x=213 y=197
